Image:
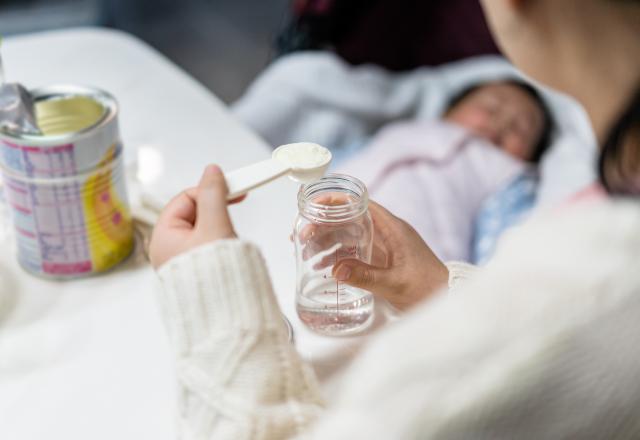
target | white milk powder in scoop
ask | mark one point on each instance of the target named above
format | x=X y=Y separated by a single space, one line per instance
x=302 y=155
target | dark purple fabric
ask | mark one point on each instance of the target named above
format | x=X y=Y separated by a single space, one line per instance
x=403 y=34
x=396 y=34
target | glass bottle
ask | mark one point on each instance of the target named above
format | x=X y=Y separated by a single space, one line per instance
x=333 y=224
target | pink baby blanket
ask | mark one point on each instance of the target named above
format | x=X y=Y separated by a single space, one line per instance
x=434 y=175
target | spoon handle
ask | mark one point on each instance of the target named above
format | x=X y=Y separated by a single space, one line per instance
x=244 y=179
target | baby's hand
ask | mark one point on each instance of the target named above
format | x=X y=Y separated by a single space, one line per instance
x=196 y=216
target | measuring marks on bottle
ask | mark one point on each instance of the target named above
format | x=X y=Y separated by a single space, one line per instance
x=339 y=288
x=340 y=252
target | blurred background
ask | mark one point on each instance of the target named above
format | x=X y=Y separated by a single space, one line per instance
x=226 y=43
x=222 y=43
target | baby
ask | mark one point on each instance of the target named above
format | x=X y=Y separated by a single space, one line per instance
x=437 y=174
x=510 y=114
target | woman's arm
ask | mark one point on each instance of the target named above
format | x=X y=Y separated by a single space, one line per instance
x=239 y=375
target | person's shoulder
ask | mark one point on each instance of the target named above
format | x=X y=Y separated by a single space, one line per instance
x=585 y=254
x=606 y=225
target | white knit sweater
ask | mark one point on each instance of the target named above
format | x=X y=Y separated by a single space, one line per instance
x=542 y=344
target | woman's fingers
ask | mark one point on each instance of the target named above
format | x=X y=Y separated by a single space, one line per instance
x=307 y=232
x=172 y=229
x=196 y=216
x=237 y=199
x=332 y=199
x=193 y=193
x=379 y=255
x=380 y=212
x=180 y=212
x=318 y=239
x=365 y=276
x=212 y=201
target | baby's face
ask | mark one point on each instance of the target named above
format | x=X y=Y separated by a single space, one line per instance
x=504 y=114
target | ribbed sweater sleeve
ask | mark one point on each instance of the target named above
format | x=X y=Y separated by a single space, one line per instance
x=240 y=377
x=459 y=274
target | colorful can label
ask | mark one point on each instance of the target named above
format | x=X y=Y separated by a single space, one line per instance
x=65 y=189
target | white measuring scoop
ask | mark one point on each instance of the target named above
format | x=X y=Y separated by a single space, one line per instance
x=303 y=162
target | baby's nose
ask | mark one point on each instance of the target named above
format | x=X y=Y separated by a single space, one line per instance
x=490 y=133
x=501 y=121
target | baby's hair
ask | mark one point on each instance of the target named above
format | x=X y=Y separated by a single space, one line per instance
x=547 y=126
x=619 y=162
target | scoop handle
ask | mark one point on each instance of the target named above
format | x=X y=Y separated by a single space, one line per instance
x=244 y=179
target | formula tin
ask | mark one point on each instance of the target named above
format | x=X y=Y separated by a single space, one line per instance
x=65 y=189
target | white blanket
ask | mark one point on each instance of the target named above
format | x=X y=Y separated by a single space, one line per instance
x=314 y=96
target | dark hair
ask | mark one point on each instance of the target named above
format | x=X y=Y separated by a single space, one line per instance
x=619 y=162
x=547 y=125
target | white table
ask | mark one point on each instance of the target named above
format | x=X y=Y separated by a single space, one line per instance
x=89 y=359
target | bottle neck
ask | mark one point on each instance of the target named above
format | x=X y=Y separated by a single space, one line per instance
x=336 y=198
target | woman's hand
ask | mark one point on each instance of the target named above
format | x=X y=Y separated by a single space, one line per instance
x=404 y=270
x=196 y=216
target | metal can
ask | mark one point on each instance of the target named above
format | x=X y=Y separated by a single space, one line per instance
x=65 y=188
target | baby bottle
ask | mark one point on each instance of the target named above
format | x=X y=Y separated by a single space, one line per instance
x=333 y=224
